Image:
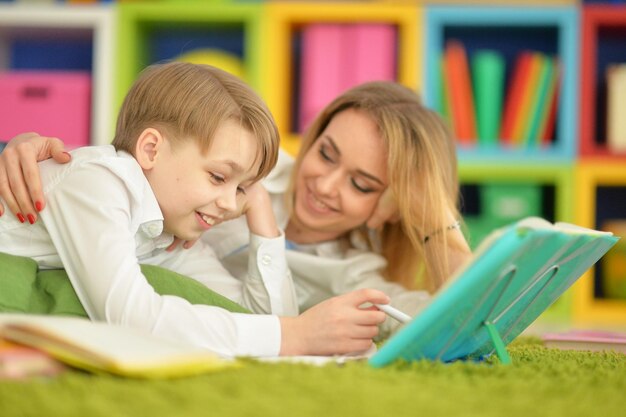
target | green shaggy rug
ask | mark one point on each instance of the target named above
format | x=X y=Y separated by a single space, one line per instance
x=540 y=382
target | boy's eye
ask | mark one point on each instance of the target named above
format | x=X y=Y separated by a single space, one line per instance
x=361 y=188
x=217 y=178
x=241 y=190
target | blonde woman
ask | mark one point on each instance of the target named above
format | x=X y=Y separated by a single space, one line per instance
x=370 y=201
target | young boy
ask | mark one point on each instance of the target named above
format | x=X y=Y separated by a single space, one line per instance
x=190 y=145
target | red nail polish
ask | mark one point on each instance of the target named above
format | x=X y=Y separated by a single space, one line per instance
x=31 y=218
x=38 y=205
x=21 y=218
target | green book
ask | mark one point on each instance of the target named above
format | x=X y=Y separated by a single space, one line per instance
x=488 y=77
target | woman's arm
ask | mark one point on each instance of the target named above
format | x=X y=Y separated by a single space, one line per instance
x=20 y=183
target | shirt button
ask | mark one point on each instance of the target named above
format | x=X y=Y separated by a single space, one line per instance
x=266 y=260
x=153 y=229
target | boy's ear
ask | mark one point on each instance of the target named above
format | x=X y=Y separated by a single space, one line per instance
x=148 y=147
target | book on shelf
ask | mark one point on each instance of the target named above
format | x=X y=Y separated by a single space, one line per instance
x=460 y=95
x=321 y=75
x=102 y=347
x=540 y=102
x=336 y=57
x=548 y=122
x=616 y=103
x=594 y=340
x=514 y=275
x=530 y=85
x=513 y=97
x=369 y=53
x=488 y=75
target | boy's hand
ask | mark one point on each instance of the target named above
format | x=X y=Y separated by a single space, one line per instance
x=335 y=326
x=256 y=205
x=20 y=183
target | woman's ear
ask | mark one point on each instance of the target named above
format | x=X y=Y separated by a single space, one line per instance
x=148 y=147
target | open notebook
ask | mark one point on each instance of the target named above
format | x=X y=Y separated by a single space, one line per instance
x=514 y=275
x=101 y=347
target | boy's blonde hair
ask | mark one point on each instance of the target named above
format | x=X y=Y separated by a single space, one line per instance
x=186 y=100
x=422 y=172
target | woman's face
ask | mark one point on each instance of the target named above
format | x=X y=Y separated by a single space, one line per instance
x=341 y=177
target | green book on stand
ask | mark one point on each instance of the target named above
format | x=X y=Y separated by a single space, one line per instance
x=516 y=273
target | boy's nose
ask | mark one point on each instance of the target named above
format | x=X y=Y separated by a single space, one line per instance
x=227 y=201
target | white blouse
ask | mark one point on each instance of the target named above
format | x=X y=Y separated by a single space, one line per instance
x=103 y=220
x=320 y=271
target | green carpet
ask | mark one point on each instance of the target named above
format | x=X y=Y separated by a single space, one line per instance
x=540 y=382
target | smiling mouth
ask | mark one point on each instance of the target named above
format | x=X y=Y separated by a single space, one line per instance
x=208 y=220
x=317 y=204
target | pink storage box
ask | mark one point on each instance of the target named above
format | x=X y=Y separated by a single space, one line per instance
x=49 y=103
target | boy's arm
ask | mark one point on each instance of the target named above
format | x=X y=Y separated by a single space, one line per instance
x=264 y=285
x=92 y=218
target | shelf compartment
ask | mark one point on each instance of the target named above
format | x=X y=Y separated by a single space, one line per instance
x=90 y=32
x=509 y=30
x=603 y=38
x=154 y=32
x=285 y=20
x=598 y=179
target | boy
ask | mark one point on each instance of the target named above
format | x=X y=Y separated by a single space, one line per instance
x=190 y=145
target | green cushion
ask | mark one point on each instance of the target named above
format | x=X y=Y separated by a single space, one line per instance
x=25 y=289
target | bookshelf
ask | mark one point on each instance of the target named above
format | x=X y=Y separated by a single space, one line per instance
x=83 y=38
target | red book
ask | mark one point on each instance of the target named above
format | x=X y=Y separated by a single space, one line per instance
x=460 y=95
x=514 y=95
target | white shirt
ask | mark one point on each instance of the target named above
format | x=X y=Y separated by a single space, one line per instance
x=103 y=220
x=320 y=271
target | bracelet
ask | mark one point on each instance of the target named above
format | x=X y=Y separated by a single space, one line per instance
x=455 y=225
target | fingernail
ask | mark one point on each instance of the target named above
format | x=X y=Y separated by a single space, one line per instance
x=38 y=205
x=31 y=218
x=68 y=154
x=21 y=218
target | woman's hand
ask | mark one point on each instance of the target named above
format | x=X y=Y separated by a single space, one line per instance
x=20 y=184
x=386 y=211
x=335 y=326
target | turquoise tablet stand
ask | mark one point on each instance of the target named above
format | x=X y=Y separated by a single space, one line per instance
x=515 y=274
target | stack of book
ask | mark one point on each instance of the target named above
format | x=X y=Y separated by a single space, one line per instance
x=483 y=109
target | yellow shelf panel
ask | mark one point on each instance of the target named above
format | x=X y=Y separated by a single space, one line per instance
x=589 y=175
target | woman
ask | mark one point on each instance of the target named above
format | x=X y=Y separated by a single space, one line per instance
x=374 y=156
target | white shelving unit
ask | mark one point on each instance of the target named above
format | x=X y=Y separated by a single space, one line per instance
x=96 y=22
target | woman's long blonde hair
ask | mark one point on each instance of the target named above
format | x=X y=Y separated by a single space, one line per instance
x=422 y=172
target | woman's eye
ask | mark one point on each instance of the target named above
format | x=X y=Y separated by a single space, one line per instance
x=324 y=154
x=361 y=188
x=217 y=178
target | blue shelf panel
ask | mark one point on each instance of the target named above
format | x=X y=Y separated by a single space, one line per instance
x=509 y=30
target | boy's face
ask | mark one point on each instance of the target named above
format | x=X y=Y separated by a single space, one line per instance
x=196 y=191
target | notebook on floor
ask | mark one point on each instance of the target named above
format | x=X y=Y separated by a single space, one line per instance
x=514 y=275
